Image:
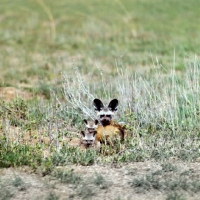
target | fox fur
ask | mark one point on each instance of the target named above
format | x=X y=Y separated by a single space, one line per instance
x=108 y=129
x=89 y=136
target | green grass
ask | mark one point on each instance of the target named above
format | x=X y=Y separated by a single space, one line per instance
x=40 y=38
x=162 y=121
x=13 y=155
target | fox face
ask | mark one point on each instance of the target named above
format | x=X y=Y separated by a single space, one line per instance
x=88 y=138
x=89 y=135
x=105 y=113
x=107 y=129
x=91 y=125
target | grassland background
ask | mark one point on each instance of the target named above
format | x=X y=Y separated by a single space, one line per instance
x=60 y=55
x=40 y=38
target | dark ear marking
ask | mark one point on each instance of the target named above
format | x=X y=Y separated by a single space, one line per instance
x=85 y=120
x=96 y=122
x=83 y=133
x=113 y=105
x=98 y=105
x=95 y=132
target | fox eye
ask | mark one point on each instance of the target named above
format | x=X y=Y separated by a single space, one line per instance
x=102 y=116
x=108 y=116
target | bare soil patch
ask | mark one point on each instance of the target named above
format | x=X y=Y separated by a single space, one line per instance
x=10 y=93
x=115 y=184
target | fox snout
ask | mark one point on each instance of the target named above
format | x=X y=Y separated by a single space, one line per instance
x=88 y=138
x=91 y=130
x=105 y=119
x=88 y=141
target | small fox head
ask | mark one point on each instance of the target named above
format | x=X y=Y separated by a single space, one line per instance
x=105 y=113
x=91 y=125
x=88 y=137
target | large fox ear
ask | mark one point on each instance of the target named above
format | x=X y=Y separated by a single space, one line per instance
x=85 y=120
x=96 y=121
x=113 y=105
x=83 y=133
x=95 y=132
x=98 y=105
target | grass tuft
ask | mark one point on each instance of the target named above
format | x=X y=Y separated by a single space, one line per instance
x=67 y=177
x=52 y=196
x=19 y=183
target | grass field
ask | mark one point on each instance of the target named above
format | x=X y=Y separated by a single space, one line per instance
x=56 y=57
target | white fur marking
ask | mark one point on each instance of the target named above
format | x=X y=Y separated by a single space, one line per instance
x=89 y=126
x=103 y=112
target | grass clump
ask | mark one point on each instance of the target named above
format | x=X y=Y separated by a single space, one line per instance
x=52 y=196
x=16 y=111
x=168 y=167
x=100 y=181
x=67 y=177
x=19 y=183
x=175 y=196
x=25 y=114
x=168 y=179
x=86 y=191
x=74 y=156
x=146 y=183
x=13 y=155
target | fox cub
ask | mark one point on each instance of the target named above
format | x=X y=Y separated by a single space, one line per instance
x=89 y=136
x=108 y=129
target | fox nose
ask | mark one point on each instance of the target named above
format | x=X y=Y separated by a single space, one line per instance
x=89 y=141
x=105 y=118
x=91 y=129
